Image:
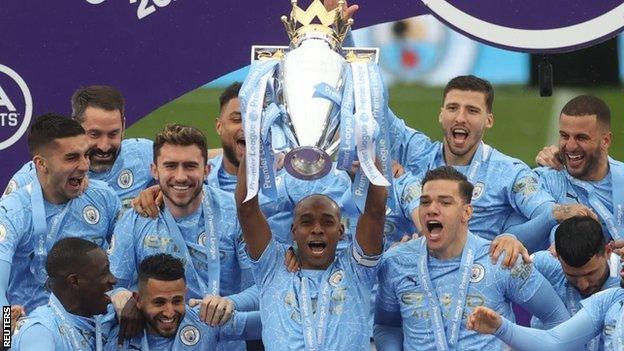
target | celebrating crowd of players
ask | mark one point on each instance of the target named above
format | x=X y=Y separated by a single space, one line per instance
x=112 y=243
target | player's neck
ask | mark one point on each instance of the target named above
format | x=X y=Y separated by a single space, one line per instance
x=451 y=159
x=305 y=264
x=154 y=333
x=453 y=250
x=184 y=211
x=71 y=303
x=49 y=194
x=229 y=166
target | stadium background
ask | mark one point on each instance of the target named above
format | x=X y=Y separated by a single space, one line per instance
x=418 y=56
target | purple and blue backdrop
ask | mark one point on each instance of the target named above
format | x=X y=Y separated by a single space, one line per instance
x=157 y=50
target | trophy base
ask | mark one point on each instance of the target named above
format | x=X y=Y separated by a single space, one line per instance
x=307 y=163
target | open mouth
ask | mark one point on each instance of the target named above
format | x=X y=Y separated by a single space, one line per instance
x=181 y=187
x=241 y=144
x=435 y=228
x=168 y=323
x=103 y=155
x=460 y=135
x=574 y=159
x=75 y=182
x=317 y=246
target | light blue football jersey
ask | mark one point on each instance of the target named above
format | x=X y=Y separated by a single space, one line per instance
x=337 y=303
x=68 y=331
x=550 y=267
x=137 y=237
x=129 y=175
x=604 y=196
x=192 y=334
x=502 y=185
x=401 y=292
x=605 y=310
x=90 y=216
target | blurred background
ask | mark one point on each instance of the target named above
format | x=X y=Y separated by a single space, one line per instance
x=419 y=55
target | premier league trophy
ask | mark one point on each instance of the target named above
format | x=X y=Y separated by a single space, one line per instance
x=314 y=100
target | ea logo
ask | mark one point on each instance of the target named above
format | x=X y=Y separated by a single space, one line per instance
x=15 y=107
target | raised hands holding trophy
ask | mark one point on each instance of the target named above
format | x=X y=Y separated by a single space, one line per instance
x=314 y=100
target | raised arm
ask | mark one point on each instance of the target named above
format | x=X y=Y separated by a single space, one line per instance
x=370 y=226
x=256 y=230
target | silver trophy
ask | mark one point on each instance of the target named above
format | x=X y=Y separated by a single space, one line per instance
x=314 y=58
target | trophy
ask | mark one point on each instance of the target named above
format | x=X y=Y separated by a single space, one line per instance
x=313 y=100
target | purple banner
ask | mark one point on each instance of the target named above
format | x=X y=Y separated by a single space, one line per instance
x=533 y=25
x=157 y=50
x=152 y=50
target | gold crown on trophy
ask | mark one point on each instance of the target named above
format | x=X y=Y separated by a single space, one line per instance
x=332 y=26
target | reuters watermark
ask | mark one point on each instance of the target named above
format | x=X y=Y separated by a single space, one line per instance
x=6 y=327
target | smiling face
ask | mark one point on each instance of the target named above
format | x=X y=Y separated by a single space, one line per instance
x=163 y=305
x=230 y=129
x=104 y=131
x=584 y=146
x=464 y=118
x=444 y=217
x=317 y=230
x=180 y=171
x=62 y=167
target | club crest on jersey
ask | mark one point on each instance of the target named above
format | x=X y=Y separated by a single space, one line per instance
x=3 y=232
x=477 y=191
x=11 y=187
x=189 y=335
x=336 y=278
x=125 y=179
x=477 y=274
x=91 y=214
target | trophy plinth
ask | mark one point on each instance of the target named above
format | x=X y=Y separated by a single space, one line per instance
x=307 y=162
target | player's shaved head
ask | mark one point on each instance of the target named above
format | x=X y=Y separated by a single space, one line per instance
x=317 y=199
x=49 y=127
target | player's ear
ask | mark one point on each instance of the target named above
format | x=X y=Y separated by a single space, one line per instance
x=40 y=163
x=342 y=230
x=605 y=142
x=153 y=170
x=467 y=212
x=490 y=120
x=218 y=125
x=72 y=281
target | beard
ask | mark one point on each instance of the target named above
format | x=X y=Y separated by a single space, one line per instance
x=230 y=154
x=194 y=195
x=102 y=166
x=591 y=161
